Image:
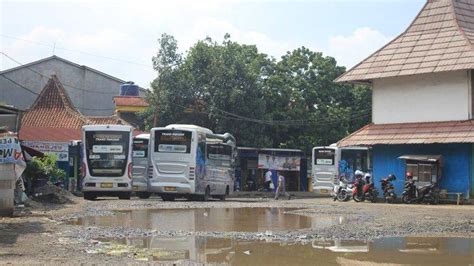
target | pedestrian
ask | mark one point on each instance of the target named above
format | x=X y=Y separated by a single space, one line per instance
x=268 y=180
x=281 y=189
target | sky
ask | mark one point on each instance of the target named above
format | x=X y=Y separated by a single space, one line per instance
x=120 y=37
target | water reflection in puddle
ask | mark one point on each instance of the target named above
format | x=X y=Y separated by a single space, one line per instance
x=411 y=250
x=210 y=219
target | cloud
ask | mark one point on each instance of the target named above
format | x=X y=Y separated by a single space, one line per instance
x=350 y=50
x=216 y=29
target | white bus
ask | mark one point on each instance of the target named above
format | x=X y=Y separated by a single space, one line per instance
x=107 y=161
x=140 y=165
x=190 y=161
x=330 y=162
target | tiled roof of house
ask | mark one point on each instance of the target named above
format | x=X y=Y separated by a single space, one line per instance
x=130 y=101
x=412 y=133
x=53 y=117
x=53 y=109
x=439 y=39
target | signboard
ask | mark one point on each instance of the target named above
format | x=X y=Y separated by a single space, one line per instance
x=10 y=150
x=284 y=163
x=61 y=149
x=12 y=163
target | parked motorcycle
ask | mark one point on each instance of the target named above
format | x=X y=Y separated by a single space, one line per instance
x=364 y=190
x=428 y=193
x=342 y=191
x=388 y=189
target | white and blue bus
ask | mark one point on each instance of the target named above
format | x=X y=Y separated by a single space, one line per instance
x=330 y=162
x=140 y=165
x=191 y=162
x=107 y=161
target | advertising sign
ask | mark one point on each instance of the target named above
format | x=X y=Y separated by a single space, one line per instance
x=284 y=163
x=61 y=149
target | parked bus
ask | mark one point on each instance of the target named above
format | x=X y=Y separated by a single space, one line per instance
x=140 y=165
x=329 y=162
x=190 y=161
x=107 y=161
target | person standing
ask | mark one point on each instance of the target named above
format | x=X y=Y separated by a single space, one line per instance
x=268 y=180
x=281 y=189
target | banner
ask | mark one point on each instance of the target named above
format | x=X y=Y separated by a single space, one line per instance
x=61 y=149
x=12 y=163
x=283 y=163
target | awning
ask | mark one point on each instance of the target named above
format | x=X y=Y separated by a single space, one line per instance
x=411 y=133
x=422 y=158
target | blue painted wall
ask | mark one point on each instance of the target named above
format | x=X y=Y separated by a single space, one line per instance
x=456 y=176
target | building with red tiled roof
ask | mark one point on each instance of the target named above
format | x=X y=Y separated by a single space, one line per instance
x=127 y=108
x=423 y=99
x=52 y=122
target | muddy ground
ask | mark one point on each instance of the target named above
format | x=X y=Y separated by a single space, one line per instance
x=49 y=233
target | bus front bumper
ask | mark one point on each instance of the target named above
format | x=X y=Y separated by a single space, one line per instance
x=94 y=186
x=171 y=188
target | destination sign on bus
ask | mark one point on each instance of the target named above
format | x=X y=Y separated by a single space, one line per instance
x=173 y=141
x=107 y=137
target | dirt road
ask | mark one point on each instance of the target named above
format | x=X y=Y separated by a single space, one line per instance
x=61 y=234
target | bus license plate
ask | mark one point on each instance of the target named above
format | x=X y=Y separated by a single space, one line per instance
x=170 y=189
x=106 y=185
x=324 y=191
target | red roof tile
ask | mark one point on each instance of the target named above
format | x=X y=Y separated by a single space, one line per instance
x=412 y=133
x=53 y=117
x=130 y=101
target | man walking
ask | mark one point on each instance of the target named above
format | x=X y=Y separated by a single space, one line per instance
x=281 y=187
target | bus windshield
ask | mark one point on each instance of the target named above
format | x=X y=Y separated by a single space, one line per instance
x=107 y=152
x=140 y=148
x=324 y=156
x=172 y=141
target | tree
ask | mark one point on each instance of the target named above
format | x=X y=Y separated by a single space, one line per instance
x=232 y=87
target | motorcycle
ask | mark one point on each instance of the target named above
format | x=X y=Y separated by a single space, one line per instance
x=428 y=193
x=388 y=189
x=364 y=190
x=342 y=191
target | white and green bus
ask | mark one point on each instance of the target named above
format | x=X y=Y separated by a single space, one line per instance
x=191 y=162
x=107 y=161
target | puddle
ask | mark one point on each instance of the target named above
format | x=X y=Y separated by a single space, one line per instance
x=209 y=219
x=196 y=249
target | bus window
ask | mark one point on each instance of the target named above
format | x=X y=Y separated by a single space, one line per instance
x=219 y=154
x=172 y=141
x=107 y=152
x=140 y=148
x=324 y=156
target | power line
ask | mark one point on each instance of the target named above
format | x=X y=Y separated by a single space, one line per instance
x=78 y=51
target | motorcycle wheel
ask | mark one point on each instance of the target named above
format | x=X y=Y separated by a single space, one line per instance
x=373 y=199
x=406 y=199
x=342 y=195
x=357 y=198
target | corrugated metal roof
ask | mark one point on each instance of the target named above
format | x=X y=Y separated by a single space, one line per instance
x=439 y=39
x=412 y=133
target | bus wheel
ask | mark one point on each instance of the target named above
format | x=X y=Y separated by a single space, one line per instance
x=125 y=196
x=167 y=197
x=89 y=196
x=207 y=194
x=143 y=195
x=222 y=197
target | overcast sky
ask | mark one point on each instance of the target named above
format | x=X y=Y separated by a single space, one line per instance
x=119 y=37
